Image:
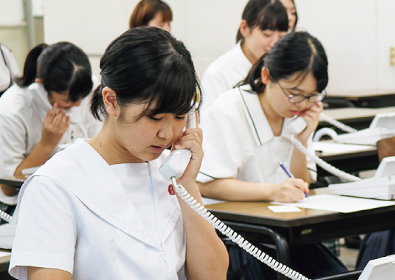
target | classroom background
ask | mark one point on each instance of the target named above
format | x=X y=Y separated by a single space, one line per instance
x=357 y=34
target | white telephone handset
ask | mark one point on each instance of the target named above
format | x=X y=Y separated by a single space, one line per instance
x=173 y=167
x=296 y=125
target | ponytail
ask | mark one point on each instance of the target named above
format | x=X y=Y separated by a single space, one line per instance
x=97 y=106
x=254 y=78
x=30 y=67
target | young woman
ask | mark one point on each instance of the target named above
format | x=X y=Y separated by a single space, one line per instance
x=292 y=14
x=104 y=210
x=247 y=134
x=154 y=13
x=47 y=107
x=263 y=23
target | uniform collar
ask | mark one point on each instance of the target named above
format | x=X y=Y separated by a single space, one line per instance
x=256 y=119
x=96 y=186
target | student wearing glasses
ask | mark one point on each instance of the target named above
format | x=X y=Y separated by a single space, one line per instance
x=246 y=136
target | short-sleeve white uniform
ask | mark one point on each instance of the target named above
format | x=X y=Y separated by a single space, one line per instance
x=96 y=221
x=239 y=143
x=22 y=114
x=223 y=74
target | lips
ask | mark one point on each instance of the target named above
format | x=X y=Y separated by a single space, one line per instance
x=158 y=149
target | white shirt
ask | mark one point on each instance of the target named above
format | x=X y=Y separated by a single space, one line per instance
x=74 y=214
x=223 y=74
x=239 y=143
x=22 y=114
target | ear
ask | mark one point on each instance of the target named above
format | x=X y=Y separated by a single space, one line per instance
x=38 y=81
x=244 y=29
x=265 y=75
x=110 y=101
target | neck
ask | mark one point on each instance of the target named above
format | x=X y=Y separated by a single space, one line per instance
x=108 y=146
x=275 y=120
x=249 y=55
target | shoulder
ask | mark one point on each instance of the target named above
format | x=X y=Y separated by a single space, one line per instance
x=15 y=100
x=228 y=60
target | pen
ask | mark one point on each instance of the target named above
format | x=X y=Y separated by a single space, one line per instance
x=289 y=174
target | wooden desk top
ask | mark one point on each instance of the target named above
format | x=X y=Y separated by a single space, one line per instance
x=358 y=94
x=309 y=225
x=357 y=114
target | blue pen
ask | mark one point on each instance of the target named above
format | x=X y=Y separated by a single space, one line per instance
x=289 y=174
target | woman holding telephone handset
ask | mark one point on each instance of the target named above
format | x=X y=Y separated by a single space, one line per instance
x=247 y=133
x=108 y=213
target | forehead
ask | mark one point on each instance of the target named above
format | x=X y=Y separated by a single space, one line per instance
x=301 y=81
x=288 y=4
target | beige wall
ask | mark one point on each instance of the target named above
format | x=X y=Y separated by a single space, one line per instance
x=15 y=38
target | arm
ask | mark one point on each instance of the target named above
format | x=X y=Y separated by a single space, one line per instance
x=38 y=273
x=206 y=256
x=298 y=161
x=291 y=190
x=55 y=125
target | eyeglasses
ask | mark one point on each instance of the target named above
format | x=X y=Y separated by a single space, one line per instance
x=296 y=98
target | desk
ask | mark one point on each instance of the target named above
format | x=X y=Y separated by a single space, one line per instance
x=254 y=220
x=13 y=181
x=372 y=98
x=354 y=160
x=358 y=118
x=4 y=262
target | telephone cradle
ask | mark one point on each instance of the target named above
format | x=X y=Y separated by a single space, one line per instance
x=380 y=186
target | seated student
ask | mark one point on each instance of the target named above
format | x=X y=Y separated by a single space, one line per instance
x=263 y=23
x=153 y=13
x=246 y=135
x=46 y=107
x=8 y=69
x=292 y=14
x=104 y=210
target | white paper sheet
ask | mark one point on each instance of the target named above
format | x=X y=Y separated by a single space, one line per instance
x=338 y=203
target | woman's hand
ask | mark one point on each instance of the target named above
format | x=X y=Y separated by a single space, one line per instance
x=312 y=118
x=291 y=190
x=191 y=139
x=55 y=125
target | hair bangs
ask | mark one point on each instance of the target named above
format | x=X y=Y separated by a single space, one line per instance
x=320 y=73
x=273 y=17
x=175 y=92
x=166 y=12
x=81 y=85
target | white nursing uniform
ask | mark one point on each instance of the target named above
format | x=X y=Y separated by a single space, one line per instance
x=96 y=221
x=223 y=74
x=22 y=114
x=239 y=143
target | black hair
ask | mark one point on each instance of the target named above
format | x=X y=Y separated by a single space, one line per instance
x=148 y=64
x=266 y=14
x=296 y=52
x=61 y=67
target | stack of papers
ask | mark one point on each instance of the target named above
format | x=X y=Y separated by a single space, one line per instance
x=338 y=203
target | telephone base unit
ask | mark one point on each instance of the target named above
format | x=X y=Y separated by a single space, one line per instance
x=378 y=188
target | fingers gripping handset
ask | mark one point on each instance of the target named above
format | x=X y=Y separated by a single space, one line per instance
x=176 y=163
